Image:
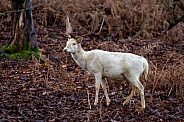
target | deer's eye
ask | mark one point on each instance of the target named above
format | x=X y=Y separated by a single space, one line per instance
x=74 y=43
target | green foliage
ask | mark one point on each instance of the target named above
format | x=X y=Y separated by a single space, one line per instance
x=121 y=94
x=109 y=37
x=11 y=52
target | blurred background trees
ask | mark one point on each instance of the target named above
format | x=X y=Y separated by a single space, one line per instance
x=115 y=18
x=23 y=31
x=175 y=11
x=23 y=34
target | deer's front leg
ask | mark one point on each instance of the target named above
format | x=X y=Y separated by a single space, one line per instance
x=98 y=79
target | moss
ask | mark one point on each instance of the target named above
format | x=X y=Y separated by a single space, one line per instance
x=26 y=52
x=26 y=47
x=14 y=55
x=9 y=49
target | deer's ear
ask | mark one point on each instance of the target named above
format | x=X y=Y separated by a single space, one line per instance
x=79 y=40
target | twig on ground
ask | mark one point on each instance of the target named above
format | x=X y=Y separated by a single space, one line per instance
x=88 y=99
x=101 y=26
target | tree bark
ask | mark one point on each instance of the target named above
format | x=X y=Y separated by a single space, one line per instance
x=23 y=31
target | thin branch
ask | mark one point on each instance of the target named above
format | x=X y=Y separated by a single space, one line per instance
x=88 y=99
x=143 y=26
x=15 y=11
x=101 y=26
x=69 y=29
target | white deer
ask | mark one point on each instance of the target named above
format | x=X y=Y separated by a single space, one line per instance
x=111 y=65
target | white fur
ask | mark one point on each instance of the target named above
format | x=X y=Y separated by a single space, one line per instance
x=112 y=65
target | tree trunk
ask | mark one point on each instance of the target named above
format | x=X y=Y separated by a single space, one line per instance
x=23 y=32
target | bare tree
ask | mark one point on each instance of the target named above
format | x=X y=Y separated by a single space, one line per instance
x=23 y=31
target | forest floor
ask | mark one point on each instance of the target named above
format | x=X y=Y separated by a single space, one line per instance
x=58 y=90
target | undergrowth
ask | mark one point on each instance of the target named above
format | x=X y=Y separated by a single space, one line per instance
x=11 y=52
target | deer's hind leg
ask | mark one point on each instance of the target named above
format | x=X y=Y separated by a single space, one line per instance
x=103 y=84
x=130 y=96
x=136 y=84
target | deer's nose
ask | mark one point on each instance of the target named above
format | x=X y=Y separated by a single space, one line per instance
x=65 y=49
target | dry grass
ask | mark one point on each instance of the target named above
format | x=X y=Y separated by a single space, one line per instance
x=121 y=18
x=169 y=77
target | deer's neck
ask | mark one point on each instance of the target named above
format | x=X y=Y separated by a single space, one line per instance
x=80 y=58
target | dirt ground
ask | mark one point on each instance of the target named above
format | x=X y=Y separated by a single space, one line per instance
x=58 y=90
